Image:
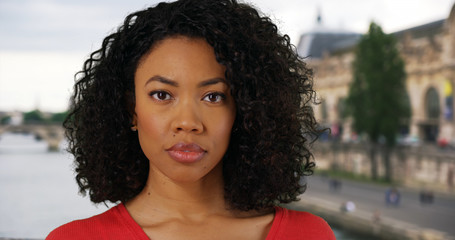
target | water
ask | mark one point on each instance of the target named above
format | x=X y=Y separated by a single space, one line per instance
x=37 y=189
x=38 y=192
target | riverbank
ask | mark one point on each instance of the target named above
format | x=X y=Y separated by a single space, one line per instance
x=365 y=223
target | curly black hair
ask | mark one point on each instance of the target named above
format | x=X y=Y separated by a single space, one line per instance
x=269 y=151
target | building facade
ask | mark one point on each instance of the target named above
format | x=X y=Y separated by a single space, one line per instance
x=429 y=54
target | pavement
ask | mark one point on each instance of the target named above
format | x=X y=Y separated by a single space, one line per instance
x=369 y=201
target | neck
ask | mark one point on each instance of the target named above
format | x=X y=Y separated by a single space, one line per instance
x=163 y=196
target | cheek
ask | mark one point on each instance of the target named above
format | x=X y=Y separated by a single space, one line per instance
x=150 y=131
x=148 y=121
x=223 y=125
x=151 y=126
x=226 y=128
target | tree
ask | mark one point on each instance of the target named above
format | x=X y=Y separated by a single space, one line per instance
x=5 y=120
x=378 y=101
x=34 y=116
x=58 y=117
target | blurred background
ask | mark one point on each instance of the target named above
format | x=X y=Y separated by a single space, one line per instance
x=385 y=170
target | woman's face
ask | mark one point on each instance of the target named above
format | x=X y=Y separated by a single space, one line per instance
x=184 y=109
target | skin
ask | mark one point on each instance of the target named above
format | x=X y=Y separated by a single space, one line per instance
x=182 y=97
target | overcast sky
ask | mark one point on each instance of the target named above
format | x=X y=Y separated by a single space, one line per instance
x=44 y=42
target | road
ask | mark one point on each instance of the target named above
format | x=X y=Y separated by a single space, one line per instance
x=440 y=215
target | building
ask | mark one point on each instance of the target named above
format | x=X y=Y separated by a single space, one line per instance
x=429 y=54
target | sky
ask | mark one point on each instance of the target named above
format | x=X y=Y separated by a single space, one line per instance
x=43 y=43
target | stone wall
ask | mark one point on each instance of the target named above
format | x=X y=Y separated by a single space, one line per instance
x=363 y=224
x=419 y=166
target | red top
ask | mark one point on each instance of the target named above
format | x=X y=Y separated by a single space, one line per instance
x=116 y=223
x=295 y=225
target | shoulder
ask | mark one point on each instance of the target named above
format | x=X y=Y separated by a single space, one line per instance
x=291 y=224
x=97 y=227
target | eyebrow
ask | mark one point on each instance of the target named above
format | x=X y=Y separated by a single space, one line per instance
x=168 y=81
x=162 y=80
x=212 y=81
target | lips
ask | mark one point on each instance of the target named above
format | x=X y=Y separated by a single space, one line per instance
x=186 y=153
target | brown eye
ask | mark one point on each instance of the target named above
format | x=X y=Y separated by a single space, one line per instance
x=214 y=97
x=160 y=95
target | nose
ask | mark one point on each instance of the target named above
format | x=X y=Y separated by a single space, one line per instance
x=187 y=119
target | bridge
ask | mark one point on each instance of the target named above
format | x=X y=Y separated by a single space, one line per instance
x=52 y=133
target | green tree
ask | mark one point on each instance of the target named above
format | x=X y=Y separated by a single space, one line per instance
x=58 y=117
x=378 y=101
x=34 y=116
x=5 y=120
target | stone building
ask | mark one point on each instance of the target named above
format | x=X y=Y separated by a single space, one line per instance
x=429 y=54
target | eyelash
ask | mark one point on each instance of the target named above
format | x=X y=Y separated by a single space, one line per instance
x=218 y=95
x=154 y=95
x=221 y=96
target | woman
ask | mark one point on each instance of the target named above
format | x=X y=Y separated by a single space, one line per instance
x=193 y=117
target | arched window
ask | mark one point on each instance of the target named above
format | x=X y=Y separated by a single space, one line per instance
x=432 y=106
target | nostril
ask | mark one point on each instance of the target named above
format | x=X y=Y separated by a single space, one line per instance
x=193 y=126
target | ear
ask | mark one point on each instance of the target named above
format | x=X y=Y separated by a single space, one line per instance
x=134 y=122
x=131 y=107
x=134 y=115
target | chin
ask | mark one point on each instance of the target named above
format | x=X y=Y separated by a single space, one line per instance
x=192 y=174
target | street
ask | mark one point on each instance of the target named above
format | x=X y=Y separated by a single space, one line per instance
x=370 y=198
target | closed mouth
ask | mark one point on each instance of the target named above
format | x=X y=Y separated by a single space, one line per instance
x=186 y=153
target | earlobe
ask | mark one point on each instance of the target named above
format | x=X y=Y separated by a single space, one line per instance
x=134 y=123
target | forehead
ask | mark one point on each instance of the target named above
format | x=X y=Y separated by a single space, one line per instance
x=180 y=56
x=180 y=46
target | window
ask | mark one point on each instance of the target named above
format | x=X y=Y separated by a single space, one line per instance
x=324 y=113
x=432 y=107
x=341 y=108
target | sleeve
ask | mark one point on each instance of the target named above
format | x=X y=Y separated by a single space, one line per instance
x=318 y=228
x=304 y=225
x=115 y=223
x=75 y=230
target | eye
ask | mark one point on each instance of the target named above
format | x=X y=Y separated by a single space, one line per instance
x=160 y=95
x=214 y=97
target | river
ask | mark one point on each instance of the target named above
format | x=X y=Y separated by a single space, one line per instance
x=38 y=192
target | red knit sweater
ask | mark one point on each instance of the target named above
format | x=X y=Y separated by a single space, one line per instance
x=117 y=223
